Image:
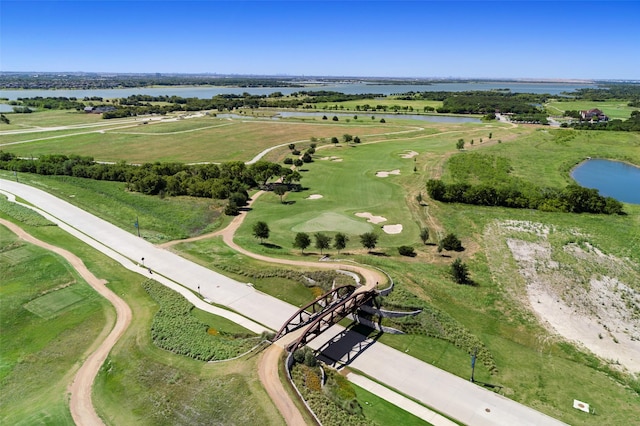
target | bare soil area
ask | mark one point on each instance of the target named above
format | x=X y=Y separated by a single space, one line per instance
x=577 y=291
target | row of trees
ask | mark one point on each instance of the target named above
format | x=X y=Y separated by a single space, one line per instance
x=219 y=181
x=572 y=199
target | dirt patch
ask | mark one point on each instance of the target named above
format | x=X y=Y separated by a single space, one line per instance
x=392 y=229
x=387 y=174
x=371 y=218
x=577 y=291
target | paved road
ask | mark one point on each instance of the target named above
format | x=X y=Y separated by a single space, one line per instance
x=448 y=394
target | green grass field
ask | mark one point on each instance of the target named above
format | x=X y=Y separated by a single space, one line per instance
x=532 y=368
x=389 y=102
x=46 y=326
x=192 y=140
x=612 y=108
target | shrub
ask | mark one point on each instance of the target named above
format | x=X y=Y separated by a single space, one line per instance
x=407 y=251
x=460 y=272
x=451 y=242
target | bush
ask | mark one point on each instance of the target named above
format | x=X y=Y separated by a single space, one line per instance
x=460 y=272
x=451 y=242
x=231 y=209
x=407 y=251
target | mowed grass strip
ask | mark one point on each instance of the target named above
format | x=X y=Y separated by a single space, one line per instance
x=53 y=304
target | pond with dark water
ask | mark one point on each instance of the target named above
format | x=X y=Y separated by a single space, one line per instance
x=612 y=178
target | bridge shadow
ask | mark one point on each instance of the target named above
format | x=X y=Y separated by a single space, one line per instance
x=347 y=345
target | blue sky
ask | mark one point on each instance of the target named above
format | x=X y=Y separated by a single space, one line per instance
x=477 y=39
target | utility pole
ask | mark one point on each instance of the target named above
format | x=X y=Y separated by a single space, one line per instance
x=137 y=225
x=473 y=362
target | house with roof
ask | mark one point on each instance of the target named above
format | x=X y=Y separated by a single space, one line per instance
x=99 y=109
x=593 y=115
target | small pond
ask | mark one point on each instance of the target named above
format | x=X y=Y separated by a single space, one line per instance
x=612 y=178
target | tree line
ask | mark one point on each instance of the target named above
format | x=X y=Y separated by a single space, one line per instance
x=230 y=180
x=571 y=199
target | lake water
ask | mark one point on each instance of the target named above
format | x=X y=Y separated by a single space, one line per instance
x=349 y=88
x=612 y=178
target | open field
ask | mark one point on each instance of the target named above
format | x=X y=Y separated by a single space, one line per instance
x=203 y=139
x=50 y=317
x=613 y=109
x=389 y=102
x=534 y=366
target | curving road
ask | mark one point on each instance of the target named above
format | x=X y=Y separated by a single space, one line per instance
x=448 y=394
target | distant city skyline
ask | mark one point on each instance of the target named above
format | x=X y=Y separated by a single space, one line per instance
x=568 y=40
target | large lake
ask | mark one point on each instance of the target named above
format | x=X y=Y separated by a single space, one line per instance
x=349 y=88
x=612 y=178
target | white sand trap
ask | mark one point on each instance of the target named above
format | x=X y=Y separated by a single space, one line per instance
x=371 y=218
x=314 y=196
x=392 y=229
x=386 y=174
x=409 y=154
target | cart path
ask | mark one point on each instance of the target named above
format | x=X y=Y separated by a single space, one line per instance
x=80 y=403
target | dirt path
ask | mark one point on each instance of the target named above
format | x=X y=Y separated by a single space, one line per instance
x=80 y=404
x=268 y=373
x=268 y=363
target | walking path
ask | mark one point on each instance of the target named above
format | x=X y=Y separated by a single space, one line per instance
x=80 y=403
x=449 y=394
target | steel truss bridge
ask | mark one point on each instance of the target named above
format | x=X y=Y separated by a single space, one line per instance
x=321 y=314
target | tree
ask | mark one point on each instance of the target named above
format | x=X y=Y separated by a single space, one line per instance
x=451 y=242
x=280 y=190
x=459 y=272
x=302 y=241
x=356 y=139
x=298 y=162
x=406 y=251
x=335 y=118
x=261 y=230
x=424 y=235
x=231 y=209
x=490 y=135
x=292 y=146
x=4 y=119
x=334 y=140
x=288 y=160
x=340 y=241
x=369 y=240
x=306 y=158
x=323 y=242
x=347 y=137
x=382 y=120
x=460 y=144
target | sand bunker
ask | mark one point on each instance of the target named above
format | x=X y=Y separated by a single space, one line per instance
x=409 y=154
x=392 y=229
x=371 y=218
x=386 y=174
x=314 y=197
